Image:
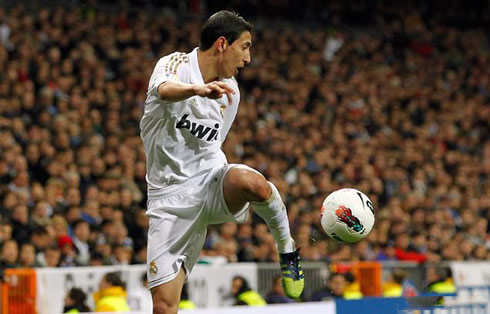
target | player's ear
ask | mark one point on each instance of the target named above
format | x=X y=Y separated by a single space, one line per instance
x=221 y=44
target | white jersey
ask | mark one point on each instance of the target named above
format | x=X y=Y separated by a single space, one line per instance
x=183 y=139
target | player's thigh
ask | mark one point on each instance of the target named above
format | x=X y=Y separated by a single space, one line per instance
x=225 y=203
x=242 y=185
x=166 y=297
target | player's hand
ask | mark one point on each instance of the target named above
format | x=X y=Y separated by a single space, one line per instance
x=215 y=90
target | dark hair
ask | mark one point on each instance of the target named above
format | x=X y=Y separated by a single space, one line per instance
x=93 y=227
x=40 y=231
x=78 y=222
x=79 y=298
x=96 y=256
x=77 y=295
x=114 y=279
x=185 y=292
x=333 y=275
x=223 y=23
x=244 y=287
x=349 y=277
x=444 y=272
x=106 y=222
x=4 y=221
x=52 y=247
x=399 y=275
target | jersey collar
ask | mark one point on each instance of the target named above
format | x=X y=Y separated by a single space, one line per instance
x=196 y=75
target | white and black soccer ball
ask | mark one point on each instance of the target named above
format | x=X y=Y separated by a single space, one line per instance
x=347 y=215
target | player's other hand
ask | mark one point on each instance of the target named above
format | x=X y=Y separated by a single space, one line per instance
x=215 y=90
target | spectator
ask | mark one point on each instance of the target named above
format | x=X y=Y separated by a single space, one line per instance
x=137 y=230
x=81 y=233
x=121 y=235
x=96 y=259
x=185 y=301
x=225 y=243
x=59 y=225
x=27 y=257
x=353 y=288
x=439 y=280
x=40 y=214
x=9 y=254
x=108 y=231
x=394 y=287
x=68 y=254
x=245 y=243
x=75 y=301
x=243 y=294
x=377 y=112
x=402 y=252
x=21 y=230
x=41 y=239
x=50 y=257
x=334 y=289
x=111 y=296
x=122 y=254
x=277 y=294
x=5 y=231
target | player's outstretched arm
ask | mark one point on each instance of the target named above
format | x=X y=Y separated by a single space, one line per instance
x=173 y=91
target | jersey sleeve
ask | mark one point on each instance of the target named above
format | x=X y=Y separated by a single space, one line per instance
x=165 y=70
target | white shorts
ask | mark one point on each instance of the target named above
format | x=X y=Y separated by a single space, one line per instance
x=179 y=220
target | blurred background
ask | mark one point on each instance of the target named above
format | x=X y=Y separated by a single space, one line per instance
x=392 y=99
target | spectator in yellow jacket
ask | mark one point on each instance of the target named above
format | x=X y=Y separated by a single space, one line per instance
x=185 y=302
x=111 y=296
x=440 y=280
x=393 y=287
x=353 y=288
x=244 y=295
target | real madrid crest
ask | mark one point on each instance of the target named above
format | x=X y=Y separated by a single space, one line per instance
x=153 y=268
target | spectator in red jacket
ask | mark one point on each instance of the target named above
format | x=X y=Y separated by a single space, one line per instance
x=402 y=242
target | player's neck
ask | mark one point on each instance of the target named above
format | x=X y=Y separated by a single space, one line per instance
x=207 y=65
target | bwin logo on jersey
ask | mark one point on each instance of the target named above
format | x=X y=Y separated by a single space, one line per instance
x=198 y=130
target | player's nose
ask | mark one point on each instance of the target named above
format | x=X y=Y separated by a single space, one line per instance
x=247 y=58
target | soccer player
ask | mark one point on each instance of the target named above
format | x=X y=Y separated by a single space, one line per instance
x=191 y=103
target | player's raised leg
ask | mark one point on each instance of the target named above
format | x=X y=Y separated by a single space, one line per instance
x=243 y=184
x=166 y=297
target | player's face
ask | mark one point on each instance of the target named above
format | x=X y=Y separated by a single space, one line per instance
x=237 y=55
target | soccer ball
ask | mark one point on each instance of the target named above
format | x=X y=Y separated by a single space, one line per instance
x=347 y=215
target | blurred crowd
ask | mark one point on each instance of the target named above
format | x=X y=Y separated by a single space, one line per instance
x=399 y=110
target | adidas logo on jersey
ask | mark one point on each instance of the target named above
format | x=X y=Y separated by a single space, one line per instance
x=198 y=130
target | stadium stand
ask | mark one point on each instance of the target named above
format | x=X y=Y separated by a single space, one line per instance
x=391 y=99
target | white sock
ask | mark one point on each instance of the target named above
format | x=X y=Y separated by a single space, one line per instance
x=274 y=213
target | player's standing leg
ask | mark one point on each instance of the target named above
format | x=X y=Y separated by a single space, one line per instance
x=242 y=185
x=166 y=297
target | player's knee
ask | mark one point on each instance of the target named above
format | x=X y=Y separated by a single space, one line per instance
x=252 y=184
x=260 y=188
x=162 y=307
